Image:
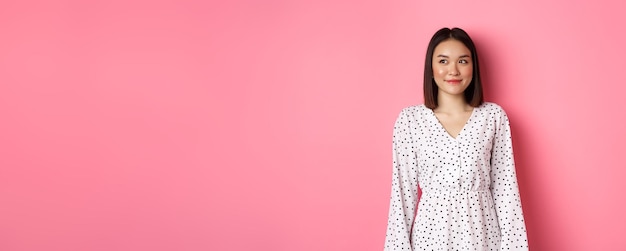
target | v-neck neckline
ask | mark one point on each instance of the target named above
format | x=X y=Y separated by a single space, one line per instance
x=443 y=128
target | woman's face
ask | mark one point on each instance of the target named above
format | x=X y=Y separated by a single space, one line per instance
x=452 y=67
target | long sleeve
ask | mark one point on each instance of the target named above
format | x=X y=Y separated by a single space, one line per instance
x=404 y=186
x=504 y=188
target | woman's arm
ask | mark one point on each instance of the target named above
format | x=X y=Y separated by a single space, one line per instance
x=404 y=186
x=504 y=188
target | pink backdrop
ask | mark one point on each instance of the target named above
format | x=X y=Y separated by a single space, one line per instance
x=266 y=125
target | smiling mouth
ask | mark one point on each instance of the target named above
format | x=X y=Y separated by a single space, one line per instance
x=454 y=81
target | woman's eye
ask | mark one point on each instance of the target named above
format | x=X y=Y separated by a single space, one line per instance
x=443 y=61
x=463 y=61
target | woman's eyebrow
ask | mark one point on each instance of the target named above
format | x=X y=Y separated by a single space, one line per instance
x=444 y=56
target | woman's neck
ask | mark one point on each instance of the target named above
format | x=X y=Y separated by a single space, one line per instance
x=452 y=103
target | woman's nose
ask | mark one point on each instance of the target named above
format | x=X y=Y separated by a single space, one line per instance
x=453 y=70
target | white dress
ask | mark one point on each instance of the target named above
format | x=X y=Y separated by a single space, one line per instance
x=469 y=193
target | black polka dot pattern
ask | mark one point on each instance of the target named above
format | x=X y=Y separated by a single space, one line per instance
x=469 y=193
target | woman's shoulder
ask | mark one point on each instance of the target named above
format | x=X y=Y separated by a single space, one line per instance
x=413 y=112
x=493 y=110
x=492 y=107
x=413 y=109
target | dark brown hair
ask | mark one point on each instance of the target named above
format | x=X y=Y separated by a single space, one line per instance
x=474 y=92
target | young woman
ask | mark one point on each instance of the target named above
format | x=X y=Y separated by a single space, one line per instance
x=457 y=150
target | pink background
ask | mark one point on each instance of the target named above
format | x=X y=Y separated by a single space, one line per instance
x=266 y=125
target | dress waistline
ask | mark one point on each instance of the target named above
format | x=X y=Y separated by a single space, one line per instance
x=453 y=190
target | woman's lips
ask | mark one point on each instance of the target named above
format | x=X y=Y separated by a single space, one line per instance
x=453 y=81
